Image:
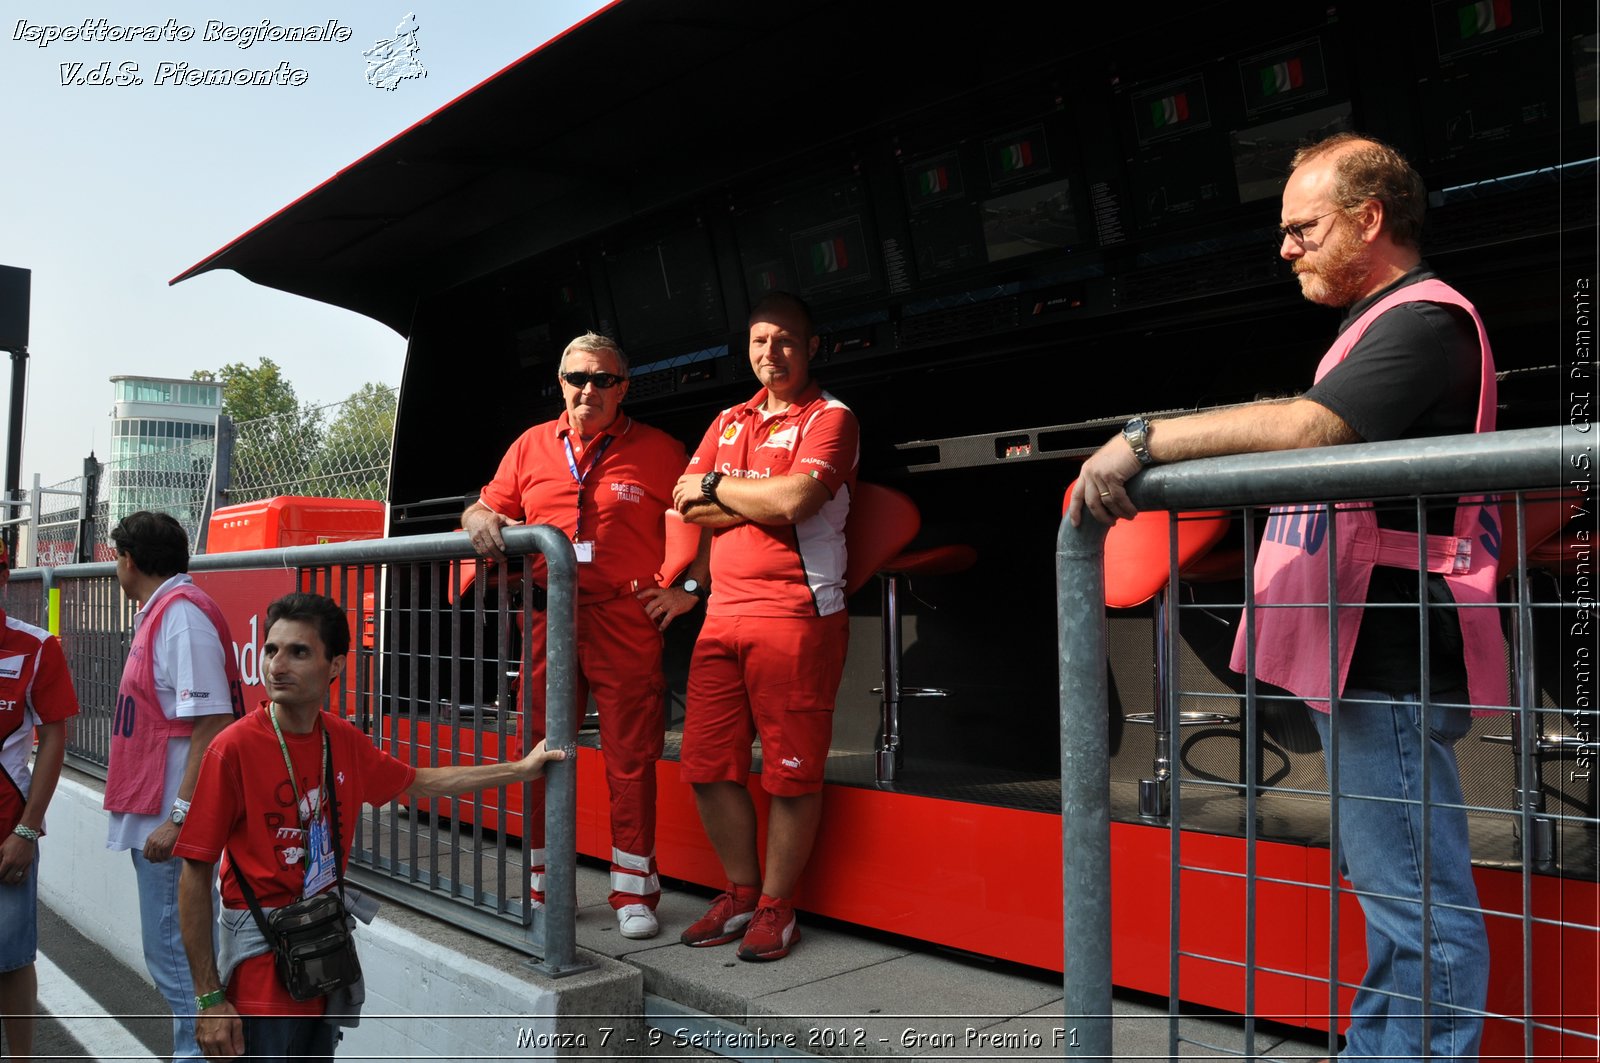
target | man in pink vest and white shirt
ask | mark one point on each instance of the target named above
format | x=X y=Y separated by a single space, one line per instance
x=1411 y=360
x=180 y=687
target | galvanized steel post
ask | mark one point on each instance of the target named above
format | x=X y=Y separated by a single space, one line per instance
x=561 y=732
x=1085 y=789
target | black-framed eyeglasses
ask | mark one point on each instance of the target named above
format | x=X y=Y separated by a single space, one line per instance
x=603 y=381
x=1296 y=230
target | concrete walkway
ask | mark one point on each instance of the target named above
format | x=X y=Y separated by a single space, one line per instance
x=845 y=992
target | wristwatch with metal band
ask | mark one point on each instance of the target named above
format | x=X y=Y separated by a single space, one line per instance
x=1137 y=433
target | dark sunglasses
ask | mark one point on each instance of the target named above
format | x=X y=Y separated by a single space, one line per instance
x=603 y=381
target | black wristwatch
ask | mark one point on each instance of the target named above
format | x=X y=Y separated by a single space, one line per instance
x=708 y=486
x=696 y=588
x=1137 y=433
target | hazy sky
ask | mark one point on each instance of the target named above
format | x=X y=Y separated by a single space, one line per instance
x=109 y=191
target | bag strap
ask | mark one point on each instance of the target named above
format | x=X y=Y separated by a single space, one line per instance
x=255 y=905
x=332 y=798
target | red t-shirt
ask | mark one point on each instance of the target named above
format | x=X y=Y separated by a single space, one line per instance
x=792 y=569
x=243 y=802
x=35 y=688
x=625 y=494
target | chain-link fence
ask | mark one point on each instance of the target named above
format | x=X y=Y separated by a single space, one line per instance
x=340 y=450
x=336 y=451
x=59 y=522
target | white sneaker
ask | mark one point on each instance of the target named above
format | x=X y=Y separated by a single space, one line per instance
x=637 y=921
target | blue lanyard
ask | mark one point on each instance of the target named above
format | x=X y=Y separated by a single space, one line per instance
x=598 y=451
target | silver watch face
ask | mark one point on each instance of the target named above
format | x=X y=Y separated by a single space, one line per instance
x=178 y=816
x=1137 y=433
x=692 y=586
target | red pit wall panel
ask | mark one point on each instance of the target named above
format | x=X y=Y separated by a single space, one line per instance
x=902 y=864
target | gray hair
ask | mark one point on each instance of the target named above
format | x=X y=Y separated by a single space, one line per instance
x=593 y=341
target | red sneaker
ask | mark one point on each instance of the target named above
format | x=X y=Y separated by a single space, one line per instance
x=772 y=932
x=725 y=920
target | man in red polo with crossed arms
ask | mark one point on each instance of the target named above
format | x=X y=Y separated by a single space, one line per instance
x=1412 y=359
x=606 y=481
x=772 y=481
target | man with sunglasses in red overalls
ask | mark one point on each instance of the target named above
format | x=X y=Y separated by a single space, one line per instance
x=606 y=481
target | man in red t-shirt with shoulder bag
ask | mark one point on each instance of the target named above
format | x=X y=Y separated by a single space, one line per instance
x=260 y=806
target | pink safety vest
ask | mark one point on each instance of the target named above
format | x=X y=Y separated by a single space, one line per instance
x=1292 y=569
x=137 y=774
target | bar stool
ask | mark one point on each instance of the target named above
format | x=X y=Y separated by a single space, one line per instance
x=1138 y=557
x=1544 y=517
x=882 y=521
x=935 y=561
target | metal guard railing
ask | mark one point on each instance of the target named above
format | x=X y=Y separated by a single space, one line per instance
x=1511 y=461
x=85 y=605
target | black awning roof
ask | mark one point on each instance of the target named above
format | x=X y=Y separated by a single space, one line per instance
x=645 y=103
x=549 y=148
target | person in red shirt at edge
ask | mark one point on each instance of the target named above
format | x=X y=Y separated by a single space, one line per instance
x=606 y=481
x=36 y=697
x=771 y=485
x=265 y=821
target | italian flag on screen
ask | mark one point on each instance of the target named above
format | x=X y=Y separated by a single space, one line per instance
x=1485 y=16
x=933 y=180
x=1018 y=156
x=1281 y=77
x=1170 y=111
x=829 y=256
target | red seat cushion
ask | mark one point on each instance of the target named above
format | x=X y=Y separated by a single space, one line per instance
x=934 y=561
x=683 y=542
x=1137 y=550
x=1545 y=513
x=881 y=522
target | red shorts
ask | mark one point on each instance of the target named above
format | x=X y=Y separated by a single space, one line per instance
x=773 y=676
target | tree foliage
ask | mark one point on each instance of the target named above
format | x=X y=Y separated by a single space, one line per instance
x=283 y=446
x=277 y=438
x=252 y=392
x=354 y=462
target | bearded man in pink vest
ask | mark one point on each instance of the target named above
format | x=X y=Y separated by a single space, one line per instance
x=1411 y=359
x=180 y=687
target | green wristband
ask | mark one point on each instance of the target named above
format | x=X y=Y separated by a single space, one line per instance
x=209 y=1000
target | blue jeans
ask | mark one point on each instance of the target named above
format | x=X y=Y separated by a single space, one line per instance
x=164 y=957
x=1380 y=851
x=19 y=920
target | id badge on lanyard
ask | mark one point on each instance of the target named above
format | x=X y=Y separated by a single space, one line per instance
x=321 y=872
x=583 y=549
